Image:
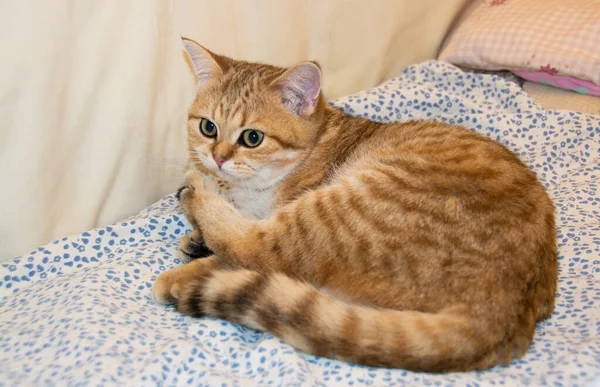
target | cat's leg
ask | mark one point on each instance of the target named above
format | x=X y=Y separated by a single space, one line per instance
x=220 y=224
x=172 y=283
x=328 y=237
x=192 y=247
x=284 y=243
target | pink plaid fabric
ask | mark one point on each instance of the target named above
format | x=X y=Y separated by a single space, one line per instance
x=559 y=37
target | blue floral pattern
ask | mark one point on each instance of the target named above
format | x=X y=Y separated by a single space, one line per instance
x=79 y=311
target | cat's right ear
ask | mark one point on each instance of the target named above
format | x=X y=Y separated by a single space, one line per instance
x=203 y=62
x=300 y=87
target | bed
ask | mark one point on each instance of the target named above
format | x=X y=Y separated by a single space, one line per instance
x=79 y=310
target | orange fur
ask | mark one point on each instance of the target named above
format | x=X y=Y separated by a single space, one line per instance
x=415 y=245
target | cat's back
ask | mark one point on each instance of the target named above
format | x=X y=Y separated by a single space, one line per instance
x=433 y=157
x=427 y=189
x=450 y=170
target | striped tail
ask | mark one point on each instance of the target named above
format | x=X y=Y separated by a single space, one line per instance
x=316 y=323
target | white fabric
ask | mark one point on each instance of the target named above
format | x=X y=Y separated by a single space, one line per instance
x=93 y=94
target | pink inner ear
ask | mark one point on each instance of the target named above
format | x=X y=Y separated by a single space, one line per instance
x=300 y=87
x=204 y=64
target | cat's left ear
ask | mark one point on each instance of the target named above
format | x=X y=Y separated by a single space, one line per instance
x=204 y=62
x=299 y=88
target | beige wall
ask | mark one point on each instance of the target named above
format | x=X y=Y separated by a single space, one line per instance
x=359 y=43
x=93 y=94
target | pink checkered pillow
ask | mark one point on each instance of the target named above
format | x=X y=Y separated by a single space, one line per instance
x=557 y=37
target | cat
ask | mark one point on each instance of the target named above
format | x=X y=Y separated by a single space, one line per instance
x=417 y=245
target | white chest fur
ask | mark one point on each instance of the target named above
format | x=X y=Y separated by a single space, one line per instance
x=251 y=202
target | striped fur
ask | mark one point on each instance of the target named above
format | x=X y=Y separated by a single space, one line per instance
x=415 y=245
x=324 y=326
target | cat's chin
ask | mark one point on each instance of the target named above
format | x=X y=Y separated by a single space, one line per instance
x=261 y=179
x=222 y=173
x=230 y=176
x=237 y=179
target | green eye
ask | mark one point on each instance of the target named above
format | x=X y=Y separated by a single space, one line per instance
x=208 y=128
x=251 y=138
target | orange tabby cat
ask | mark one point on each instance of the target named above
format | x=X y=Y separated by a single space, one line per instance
x=414 y=245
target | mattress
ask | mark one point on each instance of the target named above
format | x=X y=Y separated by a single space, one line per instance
x=549 y=97
x=79 y=310
x=554 y=98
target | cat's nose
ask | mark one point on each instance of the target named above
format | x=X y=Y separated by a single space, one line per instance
x=219 y=160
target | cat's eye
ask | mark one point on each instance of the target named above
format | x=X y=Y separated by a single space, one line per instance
x=208 y=128
x=251 y=138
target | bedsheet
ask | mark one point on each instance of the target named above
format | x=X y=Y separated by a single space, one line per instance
x=79 y=311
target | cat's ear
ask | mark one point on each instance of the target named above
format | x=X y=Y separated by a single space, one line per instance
x=299 y=88
x=204 y=62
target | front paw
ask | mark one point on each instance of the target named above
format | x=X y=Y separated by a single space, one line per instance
x=171 y=284
x=192 y=247
x=168 y=286
x=191 y=196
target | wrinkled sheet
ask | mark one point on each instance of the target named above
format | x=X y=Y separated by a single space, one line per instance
x=79 y=311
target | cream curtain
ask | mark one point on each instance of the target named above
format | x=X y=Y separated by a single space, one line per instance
x=359 y=43
x=93 y=94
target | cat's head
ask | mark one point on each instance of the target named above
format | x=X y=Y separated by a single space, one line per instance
x=251 y=123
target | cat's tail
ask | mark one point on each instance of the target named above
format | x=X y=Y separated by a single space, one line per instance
x=316 y=323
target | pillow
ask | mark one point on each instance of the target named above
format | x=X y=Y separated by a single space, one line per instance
x=554 y=42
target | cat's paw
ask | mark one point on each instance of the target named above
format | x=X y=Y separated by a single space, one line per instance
x=192 y=247
x=193 y=186
x=171 y=284
x=168 y=287
x=192 y=196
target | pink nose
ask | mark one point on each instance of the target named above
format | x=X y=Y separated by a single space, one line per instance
x=219 y=160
